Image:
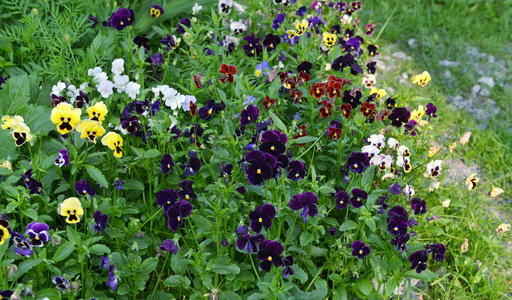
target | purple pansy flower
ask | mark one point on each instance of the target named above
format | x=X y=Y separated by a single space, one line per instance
x=176 y=131
x=104 y=262
x=226 y=170
x=241 y=230
x=296 y=169
x=21 y=245
x=253 y=46
x=101 y=222
x=167 y=164
x=38 y=233
x=169 y=246
x=360 y=249
x=382 y=203
x=5 y=294
x=307 y=202
x=83 y=188
x=397 y=220
x=302 y=11
x=194 y=132
x=210 y=108
x=193 y=166
x=418 y=205
x=166 y=198
x=288 y=263
x=270 y=253
x=112 y=279
x=249 y=243
x=278 y=21
x=358 y=196
x=249 y=115
x=262 y=217
x=271 y=41
x=418 y=260
x=118 y=184
x=169 y=42
x=185 y=22
x=121 y=19
x=399 y=116
x=186 y=192
x=400 y=242
x=437 y=250
x=357 y=162
x=395 y=188
x=273 y=142
x=431 y=111
x=260 y=166
x=157 y=59
x=61 y=283
x=342 y=199
x=62 y=159
x=81 y=100
x=180 y=210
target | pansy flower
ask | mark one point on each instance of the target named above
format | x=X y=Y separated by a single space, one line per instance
x=81 y=100
x=4 y=231
x=176 y=213
x=367 y=109
x=5 y=294
x=253 y=46
x=260 y=166
x=101 y=221
x=390 y=103
x=434 y=168
x=399 y=116
x=329 y=39
x=121 y=19
x=357 y=162
x=397 y=220
x=288 y=263
x=278 y=21
x=249 y=243
x=301 y=26
x=431 y=111
x=167 y=198
x=83 y=188
x=360 y=249
x=156 y=11
x=142 y=41
x=71 y=208
x=90 y=130
x=352 y=97
x=38 y=233
x=372 y=50
x=271 y=41
x=237 y=27
x=262 y=217
x=418 y=260
x=66 y=117
x=61 y=283
x=21 y=245
x=273 y=142
x=193 y=166
x=249 y=115
x=370 y=29
x=112 y=278
x=210 y=108
x=20 y=132
x=270 y=253
x=342 y=198
x=438 y=251
x=472 y=182
x=305 y=201
x=268 y=102
x=346 y=109
x=167 y=164
x=296 y=170
x=325 y=111
x=317 y=90
x=157 y=59
x=130 y=124
x=169 y=246
x=358 y=196
x=184 y=22
x=97 y=112
x=421 y=79
x=115 y=142
x=418 y=205
x=193 y=132
x=226 y=170
x=169 y=42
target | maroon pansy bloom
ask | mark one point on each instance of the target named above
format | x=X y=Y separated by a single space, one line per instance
x=418 y=205
x=270 y=253
x=229 y=71
x=83 y=188
x=307 y=202
x=167 y=164
x=367 y=109
x=249 y=243
x=260 y=166
x=346 y=110
x=358 y=196
x=169 y=246
x=418 y=260
x=268 y=102
x=359 y=249
x=180 y=210
x=262 y=217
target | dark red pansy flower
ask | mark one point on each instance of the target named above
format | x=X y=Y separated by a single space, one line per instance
x=325 y=111
x=317 y=90
x=304 y=76
x=268 y=102
x=229 y=71
x=301 y=133
x=334 y=133
x=197 y=80
x=367 y=109
x=193 y=108
x=346 y=109
x=333 y=89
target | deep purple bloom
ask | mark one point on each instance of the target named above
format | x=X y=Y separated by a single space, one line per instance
x=241 y=190
x=208 y=52
x=62 y=159
x=360 y=249
x=21 y=245
x=27 y=177
x=347 y=60
x=193 y=166
x=342 y=199
x=81 y=100
x=142 y=41
x=121 y=19
x=418 y=260
x=358 y=196
x=278 y=21
x=166 y=198
x=185 y=22
x=249 y=243
x=104 y=262
x=382 y=203
x=352 y=97
x=169 y=246
x=83 y=188
x=101 y=222
x=332 y=230
x=112 y=279
x=35 y=187
x=302 y=11
x=418 y=205
x=431 y=111
x=296 y=170
x=38 y=233
x=118 y=184
x=226 y=170
x=5 y=294
x=176 y=131
x=410 y=127
x=397 y=220
x=131 y=124
x=270 y=253
x=399 y=116
x=288 y=263
x=253 y=46
x=210 y=108
x=2 y=81
x=400 y=241
x=241 y=230
x=307 y=202
x=142 y=106
x=357 y=162
x=249 y=115
x=167 y=164
x=62 y=283
x=169 y=42
x=128 y=109
x=157 y=59
x=260 y=166
x=395 y=188
x=437 y=250
x=271 y=41
x=305 y=67
x=93 y=20
x=273 y=142
x=262 y=217
x=186 y=192
x=194 y=132
x=180 y=210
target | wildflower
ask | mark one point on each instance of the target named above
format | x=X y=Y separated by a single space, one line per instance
x=62 y=283
x=253 y=47
x=399 y=116
x=372 y=50
x=346 y=110
x=421 y=79
x=105 y=88
x=185 y=22
x=193 y=166
x=104 y=262
x=173 y=99
x=329 y=39
x=4 y=231
x=115 y=142
x=307 y=202
x=446 y=203
x=101 y=221
x=434 y=185
x=122 y=18
x=379 y=93
x=176 y=213
x=62 y=159
x=237 y=27
x=156 y=11
x=317 y=90
x=130 y=124
x=132 y=89
x=167 y=198
x=359 y=249
x=65 y=117
x=250 y=99
x=189 y=103
x=249 y=115
x=194 y=132
x=434 y=168
x=358 y=196
x=97 y=112
x=169 y=41
x=260 y=166
x=226 y=170
x=301 y=26
x=495 y=192
x=196 y=8
x=503 y=227
x=271 y=41
x=370 y=29
x=90 y=130
x=38 y=233
x=262 y=217
x=6 y=294
x=167 y=164
x=368 y=81
x=118 y=66
x=260 y=69
x=118 y=184
x=382 y=203
x=112 y=278
x=249 y=243
x=288 y=262
x=273 y=142
x=464 y=139
x=296 y=170
x=397 y=221
x=157 y=59
x=169 y=246
x=325 y=111
x=408 y=191
x=437 y=251
x=431 y=111
x=395 y=188
x=83 y=188
x=357 y=162
x=418 y=260
x=347 y=60
x=419 y=206
x=342 y=199
x=278 y=21
x=472 y=182
x=268 y=102
x=270 y=253
x=20 y=132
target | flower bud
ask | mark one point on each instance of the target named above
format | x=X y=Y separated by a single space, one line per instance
x=35 y=12
x=66 y=37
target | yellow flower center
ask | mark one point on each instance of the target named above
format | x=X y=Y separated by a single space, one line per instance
x=269 y=258
x=179 y=219
x=260 y=220
x=360 y=251
x=341 y=202
x=210 y=111
x=258 y=171
x=272 y=148
x=187 y=197
x=296 y=175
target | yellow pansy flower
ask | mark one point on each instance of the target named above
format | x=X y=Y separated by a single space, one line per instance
x=71 y=208
x=329 y=39
x=7 y=121
x=472 y=182
x=20 y=132
x=421 y=79
x=417 y=114
x=291 y=34
x=115 y=142
x=379 y=93
x=97 y=112
x=4 y=232
x=90 y=129
x=65 y=116
x=301 y=26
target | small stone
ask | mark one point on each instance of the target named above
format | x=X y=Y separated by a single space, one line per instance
x=448 y=63
x=401 y=55
x=485 y=92
x=411 y=42
x=475 y=89
x=487 y=80
x=447 y=74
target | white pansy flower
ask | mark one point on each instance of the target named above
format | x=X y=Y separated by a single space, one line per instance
x=393 y=143
x=186 y=104
x=59 y=87
x=132 y=89
x=196 y=8
x=84 y=86
x=434 y=185
x=158 y=89
x=225 y=6
x=118 y=66
x=72 y=92
x=175 y=101
x=370 y=150
x=409 y=191
x=434 y=168
x=168 y=95
x=403 y=151
x=93 y=72
x=120 y=82
x=105 y=88
x=237 y=27
x=377 y=140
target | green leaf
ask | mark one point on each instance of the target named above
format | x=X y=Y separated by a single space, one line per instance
x=256 y=296
x=223 y=265
x=340 y=293
x=327 y=189
x=10 y=190
x=371 y=224
x=177 y=280
x=99 y=249
x=14 y=95
x=35 y=121
x=278 y=122
x=31 y=213
x=152 y=153
x=367 y=178
x=391 y=286
x=306 y=238
x=365 y=285
x=426 y=275
x=7 y=148
x=51 y=293
x=148 y=266
x=133 y=184
x=97 y=175
x=348 y=225
x=25 y=266
x=64 y=251
x=304 y=139
x=11 y=206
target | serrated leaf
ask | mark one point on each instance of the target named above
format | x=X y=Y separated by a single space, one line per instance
x=96 y=174
x=133 y=184
x=64 y=251
x=306 y=238
x=152 y=153
x=148 y=266
x=14 y=95
x=327 y=190
x=371 y=224
x=223 y=265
